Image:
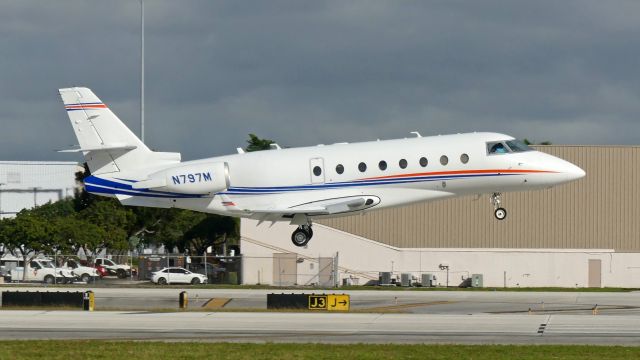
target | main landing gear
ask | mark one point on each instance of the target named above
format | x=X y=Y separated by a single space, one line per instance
x=500 y=212
x=302 y=235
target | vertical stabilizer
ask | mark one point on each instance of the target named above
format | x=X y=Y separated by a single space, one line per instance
x=106 y=142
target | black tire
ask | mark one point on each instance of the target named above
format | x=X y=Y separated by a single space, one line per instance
x=49 y=279
x=121 y=274
x=500 y=213
x=85 y=277
x=300 y=237
x=162 y=281
x=195 y=281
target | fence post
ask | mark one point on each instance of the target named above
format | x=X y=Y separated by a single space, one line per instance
x=336 y=280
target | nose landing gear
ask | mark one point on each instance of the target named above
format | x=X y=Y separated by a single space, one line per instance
x=500 y=212
x=302 y=235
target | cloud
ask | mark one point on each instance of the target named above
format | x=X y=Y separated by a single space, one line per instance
x=322 y=72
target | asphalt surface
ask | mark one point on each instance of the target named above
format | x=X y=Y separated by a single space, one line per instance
x=321 y=327
x=418 y=302
x=376 y=317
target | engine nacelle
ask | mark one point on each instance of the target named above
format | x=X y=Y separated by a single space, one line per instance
x=202 y=178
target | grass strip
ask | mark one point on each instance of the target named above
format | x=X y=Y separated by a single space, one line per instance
x=95 y=349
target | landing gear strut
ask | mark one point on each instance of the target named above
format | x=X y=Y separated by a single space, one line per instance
x=302 y=235
x=500 y=212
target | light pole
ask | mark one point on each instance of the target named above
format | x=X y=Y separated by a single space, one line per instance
x=1 y=211
x=35 y=195
x=142 y=70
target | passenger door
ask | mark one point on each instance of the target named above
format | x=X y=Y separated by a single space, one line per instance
x=178 y=275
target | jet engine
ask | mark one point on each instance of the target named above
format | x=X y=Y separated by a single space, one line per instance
x=202 y=178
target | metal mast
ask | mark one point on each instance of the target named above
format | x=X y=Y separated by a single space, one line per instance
x=142 y=70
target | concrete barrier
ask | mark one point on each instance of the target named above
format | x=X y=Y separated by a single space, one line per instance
x=43 y=299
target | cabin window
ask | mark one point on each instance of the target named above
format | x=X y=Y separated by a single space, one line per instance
x=464 y=158
x=362 y=167
x=423 y=161
x=382 y=165
x=317 y=171
x=444 y=160
x=403 y=164
x=339 y=169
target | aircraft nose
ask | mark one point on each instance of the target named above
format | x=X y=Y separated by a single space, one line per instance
x=573 y=172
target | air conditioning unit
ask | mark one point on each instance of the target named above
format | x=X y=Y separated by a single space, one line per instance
x=384 y=278
x=476 y=281
x=405 y=279
x=428 y=280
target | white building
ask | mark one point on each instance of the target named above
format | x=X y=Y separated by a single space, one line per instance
x=25 y=184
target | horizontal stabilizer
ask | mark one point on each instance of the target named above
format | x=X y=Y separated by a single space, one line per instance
x=105 y=147
x=127 y=200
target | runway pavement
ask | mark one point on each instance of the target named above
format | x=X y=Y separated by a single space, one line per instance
x=377 y=316
x=321 y=327
x=421 y=302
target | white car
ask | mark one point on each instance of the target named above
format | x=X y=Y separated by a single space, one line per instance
x=177 y=275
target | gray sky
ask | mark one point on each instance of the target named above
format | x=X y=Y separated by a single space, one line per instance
x=310 y=72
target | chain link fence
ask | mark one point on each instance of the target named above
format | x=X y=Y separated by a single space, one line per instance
x=280 y=269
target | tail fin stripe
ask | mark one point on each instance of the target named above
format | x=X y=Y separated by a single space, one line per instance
x=85 y=106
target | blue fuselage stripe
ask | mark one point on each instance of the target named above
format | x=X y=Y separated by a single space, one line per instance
x=103 y=186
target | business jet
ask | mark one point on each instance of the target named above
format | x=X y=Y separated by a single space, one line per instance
x=299 y=185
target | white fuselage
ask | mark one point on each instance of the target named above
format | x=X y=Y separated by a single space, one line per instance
x=264 y=184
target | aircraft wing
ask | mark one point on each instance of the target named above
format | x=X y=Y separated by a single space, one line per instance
x=324 y=207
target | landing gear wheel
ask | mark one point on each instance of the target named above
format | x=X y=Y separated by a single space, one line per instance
x=301 y=236
x=500 y=213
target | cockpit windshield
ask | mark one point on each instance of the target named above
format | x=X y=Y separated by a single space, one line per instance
x=518 y=146
x=505 y=147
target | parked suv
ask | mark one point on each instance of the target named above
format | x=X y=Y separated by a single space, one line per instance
x=177 y=275
x=215 y=273
x=121 y=271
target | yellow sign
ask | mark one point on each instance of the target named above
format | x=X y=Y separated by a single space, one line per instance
x=338 y=302
x=317 y=302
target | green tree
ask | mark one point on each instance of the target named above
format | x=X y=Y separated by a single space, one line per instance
x=82 y=198
x=257 y=144
x=213 y=230
x=527 y=142
x=174 y=227
x=72 y=233
x=114 y=219
x=53 y=210
x=31 y=234
x=7 y=228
